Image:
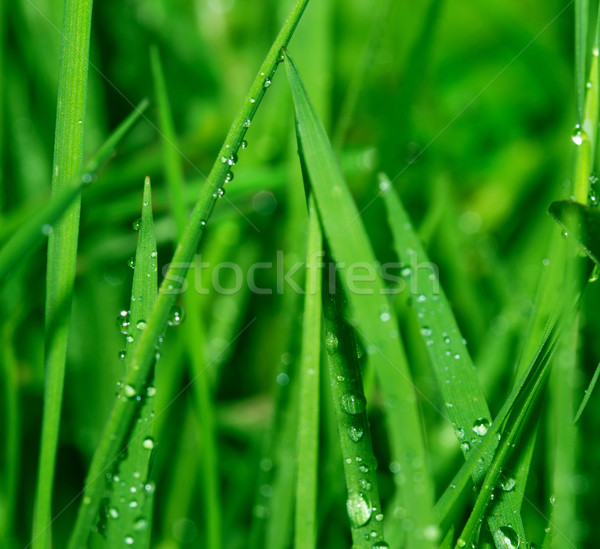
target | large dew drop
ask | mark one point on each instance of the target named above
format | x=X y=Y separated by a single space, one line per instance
x=481 y=426
x=355 y=433
x=506 y=538
x=359 y=510
x=353 y=404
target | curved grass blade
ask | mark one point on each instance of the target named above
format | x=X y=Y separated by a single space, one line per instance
x=308 y=416
x=37 y=227
x=583 y=221
x=588 y=394
x=62 y=249
x=466 y=405
x=124 y=408
x=369 y=310
x=129 y=502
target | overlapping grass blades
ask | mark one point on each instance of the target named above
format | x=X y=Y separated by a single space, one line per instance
x=368 y=308
x=129 y=506
x=456 y=375
x=36 y=227
x=194 y=328
x=62 y=248
x=125 y=407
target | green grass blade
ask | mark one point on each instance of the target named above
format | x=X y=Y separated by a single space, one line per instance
x=31 y=235
x=369 y=309
x=194 y=328
x=11 y=435
x=308 y=416
x=124 y=409
x=127 y=522
x=588 y=394
x=62 y=249
x=362 y=504
x=466 y=405
x=582 y=13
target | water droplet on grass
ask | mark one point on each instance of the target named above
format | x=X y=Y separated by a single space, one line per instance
x=508 y=484
x=481 y=426
x=506 y=538
x=113 y=513
x=122 y=354
x=141 y=325
x=140 y=524
x=137 y=224
x=131 y=262
x=267 y=83
x=129 y=391
x=244 y=144
x=128 y=540
x=355 y=433
x=122 y=322
x=577 y=136
x=381 y=545
x=228 y=176
x=148 y=443
x=176 y=316
x=353 y=404
x=331 y=342
x=359 y=511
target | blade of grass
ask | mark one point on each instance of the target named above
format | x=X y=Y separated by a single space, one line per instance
x=531 y=379
x=124 y=408
x=362 y=504
x=582 y=13
x=62 y=249
x=369 y=311
x=11 y=435
x=194 y=328
x=308 y=416
x=31 y=235
x=126 y=521
x=456 y=375
x=588 y=394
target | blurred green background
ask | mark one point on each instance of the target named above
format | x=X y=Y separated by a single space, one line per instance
x=468 y=106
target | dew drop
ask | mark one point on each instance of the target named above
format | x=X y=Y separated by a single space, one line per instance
x=244 y=144
x=381 y=545
x=220 y=192
x=129 y=391
x=140 y=524
x=267 y=83
x=331 y=342
x=577 y=135
x=426 y=332
x=122 y=322
x=176 y=316
x=228 y=176
x=128 y=540
x=122 y=354
x=481 y=426
x=465 y=446
x=353 y=404
x=355 y=433
x=151 y=391
x=148 y=443
x=422 y=298
x=141 y=325
x=247 y=123
x=506 y=538
x=131 y=262
x=113 y=513
x=508 y=484
x=137 y=224
x=359 y=511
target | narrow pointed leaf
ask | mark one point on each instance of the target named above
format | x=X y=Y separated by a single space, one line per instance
x=368 y=308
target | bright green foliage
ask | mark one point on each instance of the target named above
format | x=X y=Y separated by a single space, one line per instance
x=128 y=508
x=470 y=110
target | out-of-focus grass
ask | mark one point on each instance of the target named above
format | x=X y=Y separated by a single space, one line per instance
x=469 y=109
